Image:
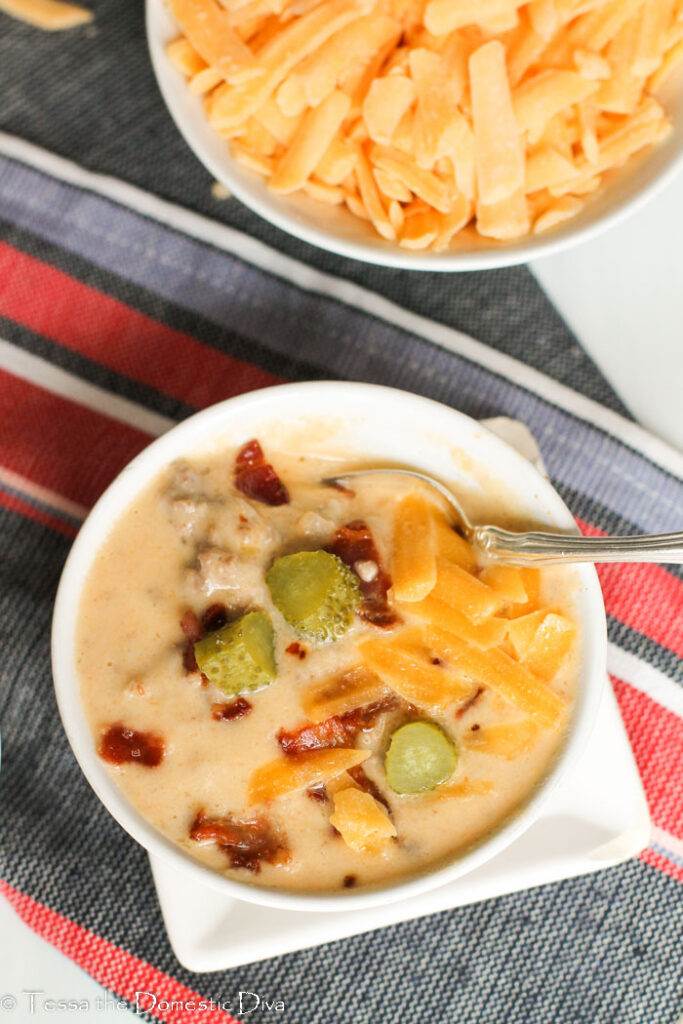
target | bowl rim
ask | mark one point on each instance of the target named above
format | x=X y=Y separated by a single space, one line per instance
x=132 y=480
x=532 y=247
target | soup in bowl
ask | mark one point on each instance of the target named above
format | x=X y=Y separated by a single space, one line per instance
x=320 y=694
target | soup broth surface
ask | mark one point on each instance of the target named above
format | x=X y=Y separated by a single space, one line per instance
x=191 y=542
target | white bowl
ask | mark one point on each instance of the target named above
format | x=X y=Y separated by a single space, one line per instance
x=337 y=230
x=380 y=424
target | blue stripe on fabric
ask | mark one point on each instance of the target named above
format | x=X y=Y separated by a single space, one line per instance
x=667 y=854
x=346 y=341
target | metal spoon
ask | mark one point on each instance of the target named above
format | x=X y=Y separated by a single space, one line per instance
x=538 y=548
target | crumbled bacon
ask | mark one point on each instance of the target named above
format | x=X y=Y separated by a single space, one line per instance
x=337 y=731
x=246 y=843
x=229 y=712
x=194 y=628
x=470 y=702
x=189 y=659
x=330 y=733
x=354 y=543
x=121 y=745
x=364 y=782
x=363 y=718
x=215 y=617
x=341 y=731
x=191 y=626
x=256 y=478
x=349 y=881
x=297 y=650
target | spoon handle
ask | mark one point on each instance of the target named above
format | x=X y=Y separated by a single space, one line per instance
x=558 y=548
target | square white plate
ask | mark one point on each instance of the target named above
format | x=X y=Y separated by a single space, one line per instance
x=596 y=818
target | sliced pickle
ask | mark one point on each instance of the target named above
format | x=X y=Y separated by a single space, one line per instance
x=239 y=657
x=316 y=593
x=420 y=757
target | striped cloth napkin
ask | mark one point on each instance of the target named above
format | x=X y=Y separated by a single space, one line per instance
x=120 y=314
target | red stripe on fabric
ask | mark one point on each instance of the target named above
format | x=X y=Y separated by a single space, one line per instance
x=655 y=860
x=656 y=736
x=28 y=511
x=62 y=445
x=112 y=966
x=645 y=597
x=84 y=320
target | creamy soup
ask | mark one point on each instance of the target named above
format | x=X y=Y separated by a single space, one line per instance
x=317 y=687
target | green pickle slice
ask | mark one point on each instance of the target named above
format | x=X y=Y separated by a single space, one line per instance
x=316 y=593
x=420 y=757
x=240 y=656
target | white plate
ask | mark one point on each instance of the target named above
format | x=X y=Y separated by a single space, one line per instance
x=597 y=817
x=335 y=229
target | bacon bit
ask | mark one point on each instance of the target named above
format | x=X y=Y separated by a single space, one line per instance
x=297 y=650
x=337 y=731
x=243 y=519
x=215 y=617
x=470 y=702
x=191 y=626
x=364 y=782
x=436 y=661
x=229 y=712
x=121 y=745
x=330 y=733
x=363 y=719
x=193 y=630
x=256 y=478
x=189 y=660
x=317 y=793
x=475 y=727
x=354 y=543
x=246 y=843
x=349 y=881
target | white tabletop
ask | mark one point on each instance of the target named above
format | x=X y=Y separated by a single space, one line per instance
x=622 y=294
